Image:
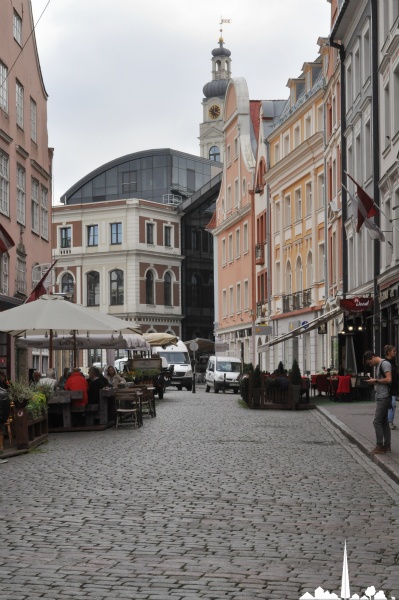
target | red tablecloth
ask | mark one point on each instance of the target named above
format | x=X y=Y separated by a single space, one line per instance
x=344 y=384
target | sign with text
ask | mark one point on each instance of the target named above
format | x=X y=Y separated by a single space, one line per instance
x=356 y=305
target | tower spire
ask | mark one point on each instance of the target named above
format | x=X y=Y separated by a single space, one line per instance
x=345 y=590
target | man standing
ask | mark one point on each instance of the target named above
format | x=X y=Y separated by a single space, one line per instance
x=381 y=381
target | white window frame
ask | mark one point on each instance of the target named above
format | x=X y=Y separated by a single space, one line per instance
x=238 y=243
x=33 y=120
x=224 y=261
x=44 y=213
x=245 y=238
x=170 y=229
x=21 y=194
x=17 y=28
x=246 y=295
x=287 y=211
x=298 y=204
x=366 y=54
x=4 y=183
x=224 y=303
x=231 y=301
x=228 y=203
x=3 y=87
x=19 y=104
x=236 y=193
x=230 y=248
x=309 y=198
x=35 y=208
x=152 y=224
x=238 y=297
x=4 y=279
x=21 y=274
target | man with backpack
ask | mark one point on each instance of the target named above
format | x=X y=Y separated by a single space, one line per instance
x=382 y=382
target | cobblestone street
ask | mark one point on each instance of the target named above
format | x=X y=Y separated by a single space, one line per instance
x=208 y=500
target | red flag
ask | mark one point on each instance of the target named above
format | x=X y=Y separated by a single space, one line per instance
x=6 y=241
x=365 y=206
x=39 y=289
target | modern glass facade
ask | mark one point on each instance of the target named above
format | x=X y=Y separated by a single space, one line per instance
x=148 y=175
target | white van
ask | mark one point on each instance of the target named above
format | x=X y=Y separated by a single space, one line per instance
x=178 y=356
x=222 y=373
x=120 y=364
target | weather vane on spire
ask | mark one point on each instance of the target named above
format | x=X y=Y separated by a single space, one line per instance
x=221 y=27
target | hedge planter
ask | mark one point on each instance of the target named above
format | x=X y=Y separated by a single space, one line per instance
x=29 y=432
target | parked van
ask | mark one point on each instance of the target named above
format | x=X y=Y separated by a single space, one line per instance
x=222 y=373
x=178 y=356
x=120 y=364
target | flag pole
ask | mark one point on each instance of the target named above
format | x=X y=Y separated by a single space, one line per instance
x=374 y=204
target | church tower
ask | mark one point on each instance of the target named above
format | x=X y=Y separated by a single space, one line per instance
x=211 y=129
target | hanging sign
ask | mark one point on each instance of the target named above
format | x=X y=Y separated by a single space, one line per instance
x=356 y=305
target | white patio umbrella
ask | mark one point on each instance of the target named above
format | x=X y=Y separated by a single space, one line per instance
x=50 y=314
x=66 y=341
x=160 y=339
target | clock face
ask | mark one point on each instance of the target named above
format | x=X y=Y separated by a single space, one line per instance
x=214 y=111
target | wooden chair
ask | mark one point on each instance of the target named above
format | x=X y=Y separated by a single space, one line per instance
x=147 y=399
x=127 y=408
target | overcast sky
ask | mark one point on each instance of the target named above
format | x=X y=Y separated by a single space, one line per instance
x=127 y=75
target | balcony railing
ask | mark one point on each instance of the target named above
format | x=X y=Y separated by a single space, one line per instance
x=297 y=301
x=260 y=254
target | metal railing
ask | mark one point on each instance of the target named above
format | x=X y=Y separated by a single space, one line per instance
x=297 y=301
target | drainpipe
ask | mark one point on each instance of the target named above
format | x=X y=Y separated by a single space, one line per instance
x=376 y=170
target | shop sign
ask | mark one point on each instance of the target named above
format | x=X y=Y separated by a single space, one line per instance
x=322 y=328
x=356 y=305
x=263 y=329
x=387 y=295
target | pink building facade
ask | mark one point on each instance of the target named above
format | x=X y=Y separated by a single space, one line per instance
x=234 y=229
x=25 y=167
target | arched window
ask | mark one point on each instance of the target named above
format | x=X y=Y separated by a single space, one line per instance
x=214 y=154
x=93 y=288
x=149 y=288
x=67 y=284
x=167 y=289
x=288 y=278
x=116 y=280
x=298 y=275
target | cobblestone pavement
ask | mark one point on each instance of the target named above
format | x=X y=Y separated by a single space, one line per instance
x=208 y=500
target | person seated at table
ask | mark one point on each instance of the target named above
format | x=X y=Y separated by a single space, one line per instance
x=49 y=379
x=4 y=383
x=96 y=384
x=62 y=380
x=112 y=377
x=36 y=377
x=76 y=382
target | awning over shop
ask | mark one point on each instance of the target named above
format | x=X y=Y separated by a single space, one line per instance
x=302 y=329
x=203 y=345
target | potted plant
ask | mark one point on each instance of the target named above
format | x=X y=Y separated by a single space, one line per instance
x=30 y=420
x=296 y=382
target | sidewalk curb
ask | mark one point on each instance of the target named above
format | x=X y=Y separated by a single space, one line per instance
x=383 y=461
